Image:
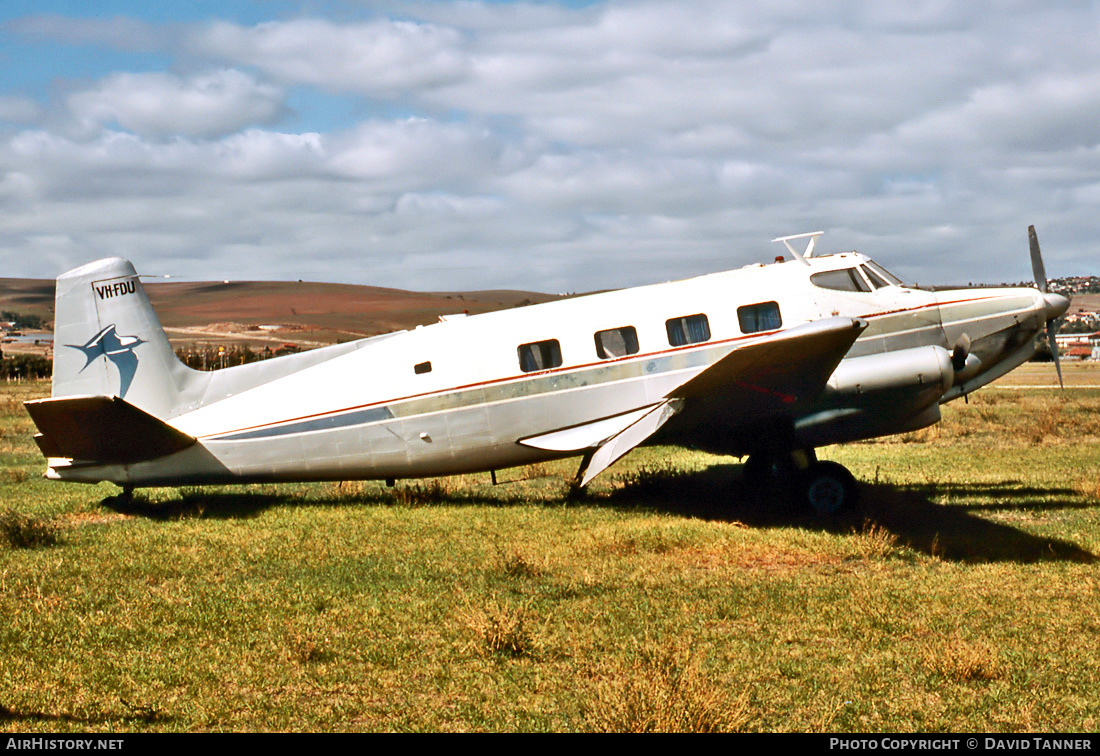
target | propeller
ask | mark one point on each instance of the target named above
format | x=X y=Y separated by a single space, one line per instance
x=960 y=352
x=1040 y=273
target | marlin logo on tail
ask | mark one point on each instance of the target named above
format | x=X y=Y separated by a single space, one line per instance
x=118 y=349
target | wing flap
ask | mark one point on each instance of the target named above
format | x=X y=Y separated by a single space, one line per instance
x=614 y=448
x=104 y=429
x=586 y=436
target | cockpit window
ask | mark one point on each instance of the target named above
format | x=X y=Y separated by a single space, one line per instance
x=876 y=280
x=847 y=279
x=890 y=278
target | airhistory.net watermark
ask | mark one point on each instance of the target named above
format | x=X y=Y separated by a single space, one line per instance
x=63 y=744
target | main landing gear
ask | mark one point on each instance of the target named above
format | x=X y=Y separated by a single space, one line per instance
x=120 y=500
x=825 y=487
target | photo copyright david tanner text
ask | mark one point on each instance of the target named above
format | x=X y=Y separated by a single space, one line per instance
x=63 y=744
x=969 y=743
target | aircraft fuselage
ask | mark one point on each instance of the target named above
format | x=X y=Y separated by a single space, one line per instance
x=524 y=385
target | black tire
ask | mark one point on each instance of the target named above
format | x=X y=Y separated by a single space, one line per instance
x=828 y=488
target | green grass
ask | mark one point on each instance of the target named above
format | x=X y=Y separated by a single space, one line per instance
x=964 y=595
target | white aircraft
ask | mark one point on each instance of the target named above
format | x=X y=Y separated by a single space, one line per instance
x=769 y=361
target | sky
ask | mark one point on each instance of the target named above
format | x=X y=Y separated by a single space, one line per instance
x=550 y=146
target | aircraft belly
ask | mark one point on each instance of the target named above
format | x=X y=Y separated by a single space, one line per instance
x=194 y=465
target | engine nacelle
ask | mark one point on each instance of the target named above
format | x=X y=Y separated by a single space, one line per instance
x=879 y=395
x=926 y=369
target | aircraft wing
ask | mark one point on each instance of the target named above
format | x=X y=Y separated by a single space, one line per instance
x=779 y=370
x=103 y=429
x=773 y=372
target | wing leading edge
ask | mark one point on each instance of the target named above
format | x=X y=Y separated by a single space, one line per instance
x=779 y=370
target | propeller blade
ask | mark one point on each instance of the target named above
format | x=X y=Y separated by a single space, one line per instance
x=1052 y=330
x=1037 y=268
x=1040 y=272
x=960 y=352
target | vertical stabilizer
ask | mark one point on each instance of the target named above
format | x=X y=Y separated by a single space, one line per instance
x=109 y=342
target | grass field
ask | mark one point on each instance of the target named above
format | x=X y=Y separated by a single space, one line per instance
x=965 y=595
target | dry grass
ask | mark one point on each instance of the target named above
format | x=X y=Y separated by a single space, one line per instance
x=663 y=689
x=14 y=474
x=962 y=660
x=964 y=602
x=875 y=542
x=515 y=564
x=22 y=531
x=1089 y=488
x=434 y=491
x=502 y=629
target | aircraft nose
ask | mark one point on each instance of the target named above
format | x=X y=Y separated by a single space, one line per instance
x=1056 y=304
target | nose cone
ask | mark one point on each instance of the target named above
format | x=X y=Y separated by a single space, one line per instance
x=1056 y=304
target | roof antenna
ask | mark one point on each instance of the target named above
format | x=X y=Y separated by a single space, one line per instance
x=809 y=251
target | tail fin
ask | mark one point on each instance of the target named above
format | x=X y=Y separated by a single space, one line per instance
x=109 y=342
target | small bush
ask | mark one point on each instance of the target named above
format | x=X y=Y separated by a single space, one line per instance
x=25 y=532
x=15 y=475
x=420 y=494
x=875 y=541
x=502 y=630
x=653 y=480
x=1089 y=488
x=963 y=661
x=666 y=690
x=516 y=564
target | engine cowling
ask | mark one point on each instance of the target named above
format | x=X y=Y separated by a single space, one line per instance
x=925 y=369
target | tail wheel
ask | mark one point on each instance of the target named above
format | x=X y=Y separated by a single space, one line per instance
x=828 y=488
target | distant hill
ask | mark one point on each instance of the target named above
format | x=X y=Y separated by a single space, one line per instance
x=259 y=313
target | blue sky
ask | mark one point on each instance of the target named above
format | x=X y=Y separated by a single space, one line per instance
x=554 y=146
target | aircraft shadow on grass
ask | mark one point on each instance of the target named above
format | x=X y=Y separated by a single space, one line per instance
x=955 y=532
x=910 y=513
x=135 y=713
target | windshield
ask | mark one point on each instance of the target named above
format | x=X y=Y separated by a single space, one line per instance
x=890 y=279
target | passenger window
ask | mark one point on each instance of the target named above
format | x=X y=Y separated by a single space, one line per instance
x=848 y=279
x=616 y=342
x=759 y=317
x=422 y=367
x=541 y=355
x=692 y=329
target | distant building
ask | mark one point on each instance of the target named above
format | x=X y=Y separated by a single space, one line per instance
x=1079 y=346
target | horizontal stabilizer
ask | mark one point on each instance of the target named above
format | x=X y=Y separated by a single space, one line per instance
x=104 y=429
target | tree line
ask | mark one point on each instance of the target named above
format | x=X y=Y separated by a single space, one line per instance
x=23 y=322
x=24 y=366
x=210 y=357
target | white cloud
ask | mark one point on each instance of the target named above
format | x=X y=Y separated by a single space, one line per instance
x=160 y=104
x=381 y=58
x=531 y=144
x=19 y=109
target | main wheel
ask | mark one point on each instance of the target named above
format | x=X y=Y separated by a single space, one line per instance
x=828 y=488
